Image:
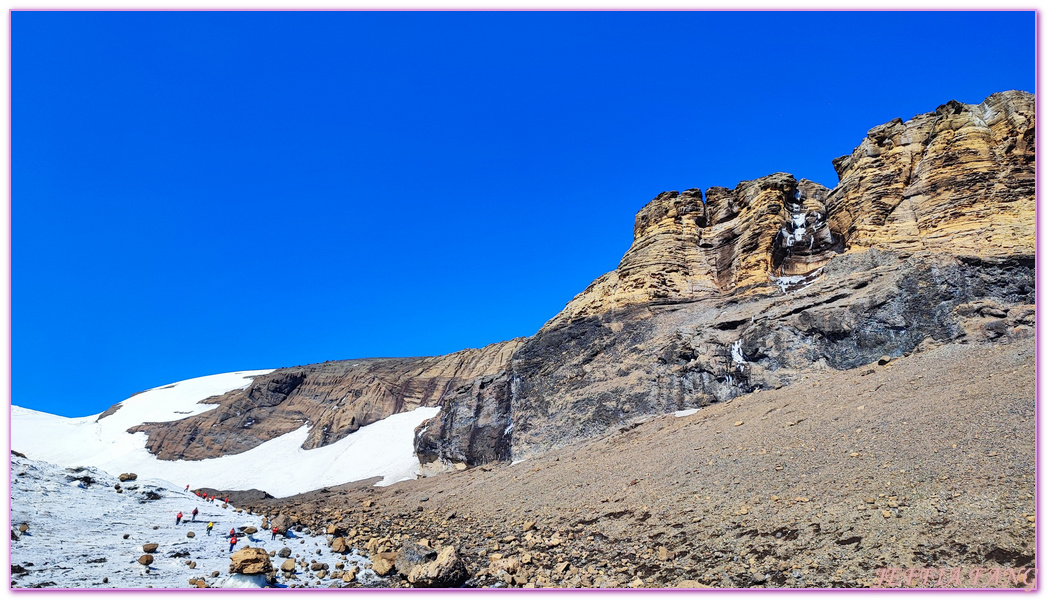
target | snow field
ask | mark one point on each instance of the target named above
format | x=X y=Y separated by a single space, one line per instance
x=280 y=466
x=75 y=536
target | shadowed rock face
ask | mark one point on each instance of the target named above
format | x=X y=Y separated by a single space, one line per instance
x=927 y=239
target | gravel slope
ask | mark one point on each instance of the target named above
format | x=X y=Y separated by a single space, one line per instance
x=926 y=462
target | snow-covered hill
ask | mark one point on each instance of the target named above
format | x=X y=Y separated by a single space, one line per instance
x=82 y=533
x=280 y=466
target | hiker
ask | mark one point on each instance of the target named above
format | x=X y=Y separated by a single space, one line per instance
x=276 y=530
x=232 y=542
x=195 y=512
x=212 y=499
x=187 y=487
x=178 y=518
x=209 y=527
x=232 y=532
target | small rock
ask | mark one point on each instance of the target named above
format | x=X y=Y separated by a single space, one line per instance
x=883 y=360
x=24 y=527
x=145 y=559
x=288 y=566
x=190 y=534
x=150 y=548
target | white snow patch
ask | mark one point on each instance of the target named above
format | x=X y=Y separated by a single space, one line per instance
x=76 y=533
x=685 y=413
x=279 y=466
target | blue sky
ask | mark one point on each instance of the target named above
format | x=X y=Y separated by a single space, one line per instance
x=203 y=192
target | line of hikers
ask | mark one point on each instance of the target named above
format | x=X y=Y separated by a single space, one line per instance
x=207 y=498
x=210 y=525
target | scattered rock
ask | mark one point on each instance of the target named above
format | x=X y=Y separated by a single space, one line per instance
x=24 y=527
x=250 y=530
x=288 y=566
x=145 y=559
x=190 y=534
x=284 y=552
x=411 y=555
x=128 y=477
x=446 y=570
x=150 y=548
x=884 y=360
x=350 y=574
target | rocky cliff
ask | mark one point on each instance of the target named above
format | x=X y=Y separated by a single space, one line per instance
x=926 y=239
x=334 y=398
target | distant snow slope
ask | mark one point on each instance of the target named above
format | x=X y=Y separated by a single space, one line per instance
x=280 y=466
x=75 y=536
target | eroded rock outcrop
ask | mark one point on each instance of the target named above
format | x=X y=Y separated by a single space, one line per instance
x=926 y=239
x=334 y=399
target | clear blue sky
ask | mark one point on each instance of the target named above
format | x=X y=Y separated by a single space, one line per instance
x=203 y=192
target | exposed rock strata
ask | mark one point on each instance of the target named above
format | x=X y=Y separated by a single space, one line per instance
x=334 y=398
x=927 y=239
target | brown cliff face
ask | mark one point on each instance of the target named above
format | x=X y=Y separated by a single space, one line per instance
x=335 y=398
x=959 y=180
x=927 y=239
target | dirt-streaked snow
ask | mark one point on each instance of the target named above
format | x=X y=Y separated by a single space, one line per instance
x=280 y=466
x=76 y=533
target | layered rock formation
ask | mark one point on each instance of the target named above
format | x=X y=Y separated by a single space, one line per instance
x=927 y=239
x=334 y=398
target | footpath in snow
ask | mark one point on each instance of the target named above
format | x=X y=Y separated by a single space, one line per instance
x=83 y=534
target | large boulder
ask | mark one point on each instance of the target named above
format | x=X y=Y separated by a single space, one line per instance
x=338 y=545
x=282 y=523
x=284 y=552
x=413 y=554
x=150 y=548
x=250 y=530
x=446 y=570
x=128 y=476
x=288 y=566
x=250 y=561
x=145 y=559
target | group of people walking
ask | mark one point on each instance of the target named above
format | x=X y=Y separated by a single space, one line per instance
x=210 y=525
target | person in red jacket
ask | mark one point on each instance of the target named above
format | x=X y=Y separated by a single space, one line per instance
x=232 y=532
x=276 y=530
x=232 y=542
x=195 y=512
x=178 y=518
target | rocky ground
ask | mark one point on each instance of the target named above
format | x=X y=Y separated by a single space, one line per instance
x=925 y=462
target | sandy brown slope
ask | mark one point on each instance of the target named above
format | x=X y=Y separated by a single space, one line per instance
x=925 y=462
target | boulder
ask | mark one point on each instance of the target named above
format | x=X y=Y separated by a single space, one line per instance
x=446 y=570
x=381 y=566
x=411 y=555
x=282 y=522
x=350 y=574
x=24 y=527
x=265 y=523
x=145 y=559
x=250 y=561
x=288 y=566
x=284 y=552
x=339 y=545
x=128 y=476
x=150 y=548
x=250 y=530
x=318 y=566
